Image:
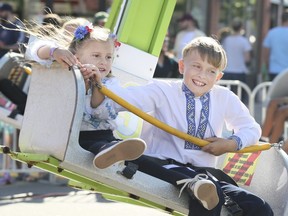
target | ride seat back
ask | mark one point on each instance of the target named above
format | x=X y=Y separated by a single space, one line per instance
x=54 y=98
x=51 y=126
x=262 y=173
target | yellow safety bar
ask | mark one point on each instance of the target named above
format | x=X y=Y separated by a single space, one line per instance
x=169 y=129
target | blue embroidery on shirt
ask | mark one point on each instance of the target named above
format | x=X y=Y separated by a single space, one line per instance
x=238 y=141
x=94 y=121
x=111 y=112
x=190 y=116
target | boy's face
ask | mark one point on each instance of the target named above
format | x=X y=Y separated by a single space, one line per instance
x=198 y=75
x=98 y=53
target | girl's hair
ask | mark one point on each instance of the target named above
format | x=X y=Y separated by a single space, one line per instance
x=209 y=48
x=71 y=24
x=86 y=33
x=65 y=38
x=83 y=33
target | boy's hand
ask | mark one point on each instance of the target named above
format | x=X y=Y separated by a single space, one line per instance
x=219 y=146
x=65 y=57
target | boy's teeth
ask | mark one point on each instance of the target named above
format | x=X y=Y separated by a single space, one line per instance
x=198 y=83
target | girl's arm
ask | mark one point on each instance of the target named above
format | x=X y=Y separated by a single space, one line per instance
x=97 y=97
x=62 y=56
x=45 y=51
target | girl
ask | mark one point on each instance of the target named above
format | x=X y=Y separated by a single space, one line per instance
x=92 y=49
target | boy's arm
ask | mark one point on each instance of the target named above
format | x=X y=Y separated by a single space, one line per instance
x=246 y=131
x=219 y=146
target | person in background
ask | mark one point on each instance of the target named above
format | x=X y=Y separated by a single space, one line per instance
x=275 y=49
x=10 y=89
x=100 y=18
x=53 y=19
x=189 y=29
x=9 y=39
x=285 y=146
x=276 y=115
x=167 y=66
x=223 y=33
x=238 y=50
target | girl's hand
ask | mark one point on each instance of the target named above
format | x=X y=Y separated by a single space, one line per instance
x=65 y=57
x=219 y=146
x=90 y=73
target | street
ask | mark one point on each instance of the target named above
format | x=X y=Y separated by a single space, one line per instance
x=42 y=198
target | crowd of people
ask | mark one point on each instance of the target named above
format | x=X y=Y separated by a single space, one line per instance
x=193 y=103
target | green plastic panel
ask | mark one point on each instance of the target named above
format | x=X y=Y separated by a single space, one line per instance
x=144 y=23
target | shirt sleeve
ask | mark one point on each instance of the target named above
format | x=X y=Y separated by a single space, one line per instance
x=146 y=98
x=33 y=46
x=246 y=131
x=105 y=111
x=267 y=41
x=247 y=46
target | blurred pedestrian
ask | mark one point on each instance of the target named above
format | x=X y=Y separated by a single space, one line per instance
x=167 y=66
x=189 y=29
x=238 y=50
x=100 y=18
x=223 y=33
x=52 y=18
x=275 y=48
x=9 y=39
x=276 y=115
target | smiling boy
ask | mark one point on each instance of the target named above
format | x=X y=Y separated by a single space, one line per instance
x=199 y=107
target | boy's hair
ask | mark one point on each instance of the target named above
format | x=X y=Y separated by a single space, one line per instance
x=209 y=48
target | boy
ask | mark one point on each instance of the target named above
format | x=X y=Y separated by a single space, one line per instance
x=201 y=108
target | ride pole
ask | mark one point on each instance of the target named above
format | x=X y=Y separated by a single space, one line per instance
x=197 y=141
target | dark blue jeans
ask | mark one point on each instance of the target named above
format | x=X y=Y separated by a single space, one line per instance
x=93 y=140
x=250 y=203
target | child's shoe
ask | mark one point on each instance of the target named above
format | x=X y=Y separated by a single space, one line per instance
x=128 y=149
x=202 y=189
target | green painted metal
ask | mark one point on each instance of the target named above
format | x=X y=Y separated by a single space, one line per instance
x=52 y=165
x=162 y=27
x=113 y=15
x=144 y=24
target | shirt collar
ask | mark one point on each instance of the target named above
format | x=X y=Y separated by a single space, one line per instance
x=187 y=92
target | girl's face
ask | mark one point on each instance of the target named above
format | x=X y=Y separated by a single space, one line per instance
x=98 y=53
x=198 y=75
